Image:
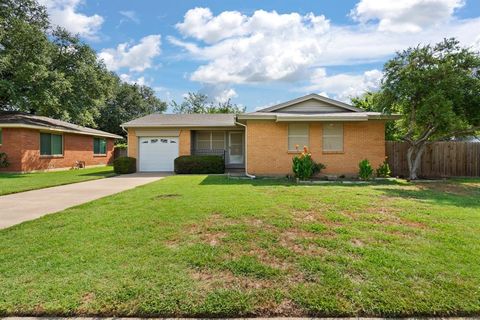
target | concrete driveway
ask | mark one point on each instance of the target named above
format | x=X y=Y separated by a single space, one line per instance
x=29 y=205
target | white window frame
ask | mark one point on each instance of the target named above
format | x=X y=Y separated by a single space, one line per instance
x=290 y=136
x=326 y=136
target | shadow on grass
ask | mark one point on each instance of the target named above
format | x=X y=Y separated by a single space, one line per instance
x=445 y=193
x=451 y=192
x=12 y=175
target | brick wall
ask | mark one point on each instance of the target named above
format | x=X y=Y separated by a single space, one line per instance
x=11 y=145
x=268 y=145
x=184 y=140
x=23 y=149
x=132 y=141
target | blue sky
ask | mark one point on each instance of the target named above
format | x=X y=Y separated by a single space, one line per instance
x=260 y=53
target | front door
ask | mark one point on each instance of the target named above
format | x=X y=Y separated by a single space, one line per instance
x=235 y=147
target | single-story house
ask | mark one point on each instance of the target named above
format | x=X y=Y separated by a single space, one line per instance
x=35 y=143
x=263 y=142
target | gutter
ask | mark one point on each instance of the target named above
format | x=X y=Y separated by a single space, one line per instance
x=251 y=176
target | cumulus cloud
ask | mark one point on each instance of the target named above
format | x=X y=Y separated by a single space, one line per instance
x=135 y=58
x=218 y=93
x=132 y=80
x=264 y=46
x=268 y=46
x=64 y=13
x=344 y=86
x=405 y=15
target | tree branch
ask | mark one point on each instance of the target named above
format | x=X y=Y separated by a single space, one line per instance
x=461 y=132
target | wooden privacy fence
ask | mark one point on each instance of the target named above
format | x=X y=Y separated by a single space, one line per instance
x=440 y=159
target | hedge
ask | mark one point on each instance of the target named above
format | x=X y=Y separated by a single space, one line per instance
x=199 y=164
x=124 y=165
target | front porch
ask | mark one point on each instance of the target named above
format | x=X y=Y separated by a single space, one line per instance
x=229 y=144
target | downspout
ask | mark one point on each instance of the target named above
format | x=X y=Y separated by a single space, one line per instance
x=246 y=153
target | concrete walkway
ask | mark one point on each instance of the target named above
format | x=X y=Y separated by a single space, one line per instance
x=18 y=207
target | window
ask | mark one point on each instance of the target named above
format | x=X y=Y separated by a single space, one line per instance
x=99 y=146
x=333 y=137
x=297 y=136
x=210 y=140
x=51 y=144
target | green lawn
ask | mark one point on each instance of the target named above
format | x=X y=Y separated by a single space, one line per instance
x=208 y=246
x=18 y=182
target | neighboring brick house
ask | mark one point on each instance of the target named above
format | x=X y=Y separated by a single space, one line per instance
x=35 y=143
x=337 y=134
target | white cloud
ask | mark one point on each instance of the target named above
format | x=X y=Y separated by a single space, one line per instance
x=262 y=47
x=129 y=79
x=130 y=15
x=405 y=15
x=218 y=93
x=135 y=58
x=344 y=86
x=268 y=46
x=64 y=13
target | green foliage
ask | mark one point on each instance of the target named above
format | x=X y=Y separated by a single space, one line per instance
x=121 y=145
x=435 y=88
x=383 y=170
x=199 y=103
x=4 y=160
x=50 y=72
x=304 y=167
x=124 y=165
x=128 y=101
x=365 y=171
x=199 y=164
x=372 y=101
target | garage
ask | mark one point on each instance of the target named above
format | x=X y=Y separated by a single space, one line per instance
x=157 y=153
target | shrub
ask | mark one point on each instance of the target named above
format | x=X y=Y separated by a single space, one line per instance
x=383 y=170
x=365 y=170
x=121 y=145
x=199 y=164
x=304 y=167
x=4 y=160
x=124 y=165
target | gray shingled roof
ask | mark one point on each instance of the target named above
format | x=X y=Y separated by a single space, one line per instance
x=14 y=118
x=183 y=120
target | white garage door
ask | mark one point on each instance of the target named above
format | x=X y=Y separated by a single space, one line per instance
x=157 y=153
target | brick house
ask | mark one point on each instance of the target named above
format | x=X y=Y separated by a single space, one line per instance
x=264 y=142
x=35 y=143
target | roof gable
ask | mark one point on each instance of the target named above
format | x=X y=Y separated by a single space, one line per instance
x=311 y=104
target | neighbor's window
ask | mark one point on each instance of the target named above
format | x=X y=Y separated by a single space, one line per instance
x=51 y=144
x=99 y=146
x=333 y=137
x=297 y=136
x=210 y=140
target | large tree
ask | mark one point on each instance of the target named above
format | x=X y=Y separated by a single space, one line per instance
x=129 y=101
x=436 y=89
x=199 y=103
x=371 y=101
x=48 y=71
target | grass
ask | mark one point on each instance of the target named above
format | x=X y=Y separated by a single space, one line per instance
x=207 y=246
x=19 y=182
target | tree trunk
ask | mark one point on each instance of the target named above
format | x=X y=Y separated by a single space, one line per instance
x=414 y=157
